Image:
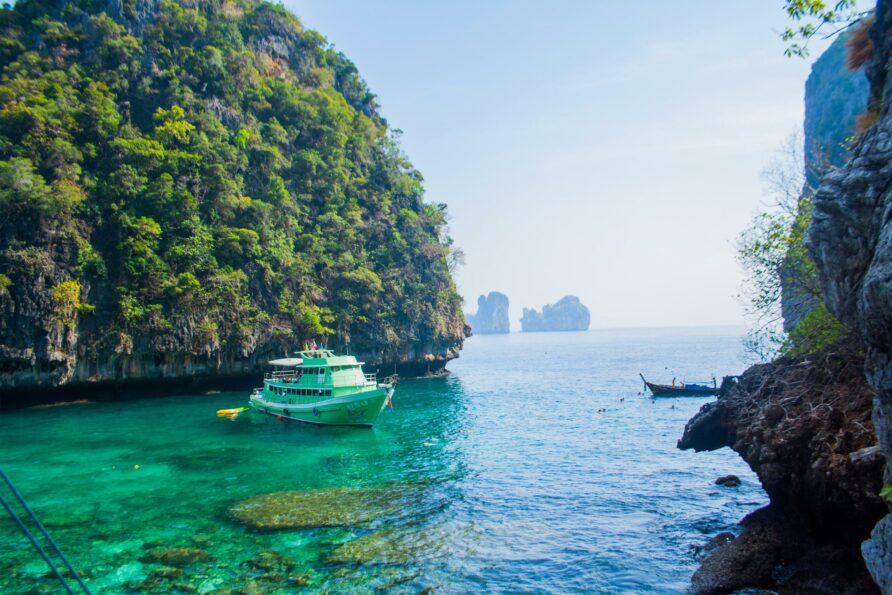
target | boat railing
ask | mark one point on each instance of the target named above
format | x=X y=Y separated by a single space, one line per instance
x=286 y=376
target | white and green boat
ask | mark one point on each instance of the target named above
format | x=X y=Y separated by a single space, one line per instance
x=319 y=387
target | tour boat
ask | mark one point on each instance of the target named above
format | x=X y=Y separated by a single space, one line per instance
x=320 y=387
x=682 y=389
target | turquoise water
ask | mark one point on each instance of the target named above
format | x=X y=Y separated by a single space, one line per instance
x=536 y=466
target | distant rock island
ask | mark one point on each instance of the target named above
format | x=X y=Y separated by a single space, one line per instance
x=492 y=315
x=569 y=314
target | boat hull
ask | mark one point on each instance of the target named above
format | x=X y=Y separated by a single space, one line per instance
x=359 y=409
x=663 y=390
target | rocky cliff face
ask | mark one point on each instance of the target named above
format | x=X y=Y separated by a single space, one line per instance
x=491 y=316
x=568 y=314
x=834 y=98
x=851 y=242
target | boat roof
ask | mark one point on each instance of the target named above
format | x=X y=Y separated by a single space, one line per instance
x=321 y=358
x=287 y=361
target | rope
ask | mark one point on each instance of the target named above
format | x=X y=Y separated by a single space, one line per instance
x=36 y=545
x=45 y=533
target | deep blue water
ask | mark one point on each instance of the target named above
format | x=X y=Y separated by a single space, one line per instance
x=535 y=466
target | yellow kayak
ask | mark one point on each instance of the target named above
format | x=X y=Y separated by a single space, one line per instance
x=235 y=411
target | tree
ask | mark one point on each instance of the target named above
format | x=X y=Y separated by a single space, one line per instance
x=813 y=16
x=782 y=291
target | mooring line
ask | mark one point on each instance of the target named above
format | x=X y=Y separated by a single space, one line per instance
x=40 y=550
x=24 y=529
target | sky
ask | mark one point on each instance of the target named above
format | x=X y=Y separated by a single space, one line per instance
x=608 y=150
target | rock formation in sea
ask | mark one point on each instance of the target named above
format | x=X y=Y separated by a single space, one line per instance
x=192 y=188
x=818 y=430
x=568 y=314
x=492 y=315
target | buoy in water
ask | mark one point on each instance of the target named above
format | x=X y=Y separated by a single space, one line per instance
x=279 y=417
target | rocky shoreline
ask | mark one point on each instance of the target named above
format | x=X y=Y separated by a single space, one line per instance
x=804 y=427
x=120 y=387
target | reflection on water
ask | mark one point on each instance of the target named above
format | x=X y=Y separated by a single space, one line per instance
x=535 y=466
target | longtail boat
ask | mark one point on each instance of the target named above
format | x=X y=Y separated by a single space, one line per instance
x=681 y=389
x=320 y=387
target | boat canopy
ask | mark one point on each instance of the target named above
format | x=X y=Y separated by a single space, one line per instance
x=287 y=361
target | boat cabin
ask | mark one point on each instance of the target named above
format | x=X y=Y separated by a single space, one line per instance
x=317 y=374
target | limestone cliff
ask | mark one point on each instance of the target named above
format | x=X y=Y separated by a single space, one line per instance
x=834 y=98
x=191 y=188
x=568 y=314
x=851 y=241
x=492 y=315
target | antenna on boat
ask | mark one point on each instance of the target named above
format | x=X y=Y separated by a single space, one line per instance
x=27 y=533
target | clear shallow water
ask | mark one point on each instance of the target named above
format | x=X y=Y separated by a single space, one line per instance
x=518 y=480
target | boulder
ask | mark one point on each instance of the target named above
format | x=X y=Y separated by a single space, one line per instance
x=728 y=481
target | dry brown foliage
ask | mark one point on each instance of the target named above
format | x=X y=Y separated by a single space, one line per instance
x=865 y=121
x=860 y=45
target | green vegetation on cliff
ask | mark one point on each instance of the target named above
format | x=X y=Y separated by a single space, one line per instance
x=205 y=178
x=783 y=287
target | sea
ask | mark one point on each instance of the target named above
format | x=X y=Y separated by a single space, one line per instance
x=538 y=465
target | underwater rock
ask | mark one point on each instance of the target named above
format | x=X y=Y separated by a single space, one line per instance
x=270 y=560
x=162 y=580
x=177 y=556
x=329 y=507
x=568 y=314
x=168 y=572
x=300 y=580
x=384 y=547
x=728 y=481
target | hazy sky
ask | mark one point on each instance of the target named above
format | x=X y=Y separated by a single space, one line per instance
x=610 y=150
